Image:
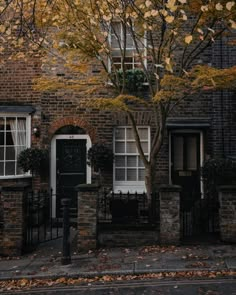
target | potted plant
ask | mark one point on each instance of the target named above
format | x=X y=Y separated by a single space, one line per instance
x=33 y=159
x=100 y=157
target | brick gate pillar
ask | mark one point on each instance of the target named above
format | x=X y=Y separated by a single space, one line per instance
x=227 y=213
x=87 y=216
x=169 y=214
x=13 y=219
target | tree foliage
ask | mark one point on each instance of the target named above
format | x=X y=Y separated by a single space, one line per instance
x=169 y=38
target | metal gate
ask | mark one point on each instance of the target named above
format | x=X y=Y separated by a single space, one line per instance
x=39 y=225
x=199 y=216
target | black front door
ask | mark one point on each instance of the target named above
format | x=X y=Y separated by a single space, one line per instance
x=185 y=171
x=70 y=170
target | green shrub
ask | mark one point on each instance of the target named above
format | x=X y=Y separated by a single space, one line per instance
x=100 y=157
x=134 y=79
x=33 y=159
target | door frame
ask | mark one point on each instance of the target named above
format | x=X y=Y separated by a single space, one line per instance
x=186 y=131
x=53 y=173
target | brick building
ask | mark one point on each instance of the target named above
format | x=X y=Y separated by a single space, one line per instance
x=201 y=127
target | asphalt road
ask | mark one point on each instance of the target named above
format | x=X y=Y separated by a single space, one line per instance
x=184 y=287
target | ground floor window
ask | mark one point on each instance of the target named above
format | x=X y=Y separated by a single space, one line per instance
x=129 y=171
x=14 y=138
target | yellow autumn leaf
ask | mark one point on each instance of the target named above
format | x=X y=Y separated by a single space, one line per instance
x=233 y=24
x=229 y=5
x=171 y=5
x=219 y=6
x=167 y=60
x=8 y=32
x=204 y=8
x=2 y=28
x=163 y=12
x=200 y=31
x=169 y=19
x=182 y=1
x=154 y=12
x=147 y=14
x=148 y=3
x=188 y=39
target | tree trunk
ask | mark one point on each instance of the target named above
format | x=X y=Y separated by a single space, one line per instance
x=149 y=182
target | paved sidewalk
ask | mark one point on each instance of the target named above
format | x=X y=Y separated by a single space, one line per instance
x=45 y=262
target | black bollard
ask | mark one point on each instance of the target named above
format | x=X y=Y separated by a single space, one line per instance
x=66 y=255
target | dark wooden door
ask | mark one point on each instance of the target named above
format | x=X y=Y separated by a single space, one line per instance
x=71 y=171
x=185 y=171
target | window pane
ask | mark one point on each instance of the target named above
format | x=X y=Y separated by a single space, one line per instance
x=2 y=138
x=131 y=147
x=129 y=133
x=129 y=41
x=120 y=133
x=120 y=161
x=21 y=138
x=9 y=138
x=191 y=153
x=2 y=122
x=11 y=123
x=178 y=152
x=21 y=124
x=141 y=174
x=119 y=147
x=145 y=147
x=140 y=162
x=131 y=174
x=143 y=133
x=10 y=153
x=10 y=168
x=1 y=168
x=19 y=171
x=120 y=174
x=1 y=153
x=20 y=149
x=131 y=161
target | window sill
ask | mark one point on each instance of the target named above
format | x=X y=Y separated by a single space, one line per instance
x=15 y=177
x=139 y=188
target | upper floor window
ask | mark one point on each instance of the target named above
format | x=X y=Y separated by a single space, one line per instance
x=129 y=171
x=123 y=46
x=14 y=138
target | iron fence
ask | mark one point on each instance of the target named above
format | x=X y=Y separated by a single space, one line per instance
x=128 y=208
x=39 y=224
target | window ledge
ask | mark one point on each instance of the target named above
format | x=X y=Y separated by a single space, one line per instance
x=15 y=177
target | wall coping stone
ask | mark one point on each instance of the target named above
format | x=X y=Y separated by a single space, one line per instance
x=87 y=187
x=169 y=188
x=19 y=187
x=227 y=188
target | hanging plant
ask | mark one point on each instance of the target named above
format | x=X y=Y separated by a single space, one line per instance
x=100 y=156
x=33 y=159
x=134 y=79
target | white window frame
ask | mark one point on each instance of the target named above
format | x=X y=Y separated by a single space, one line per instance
x=28 y=140
x=133 y=49
x=126 y=185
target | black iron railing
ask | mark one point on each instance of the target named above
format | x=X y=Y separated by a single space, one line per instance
x=39 y=224
x=128 y=208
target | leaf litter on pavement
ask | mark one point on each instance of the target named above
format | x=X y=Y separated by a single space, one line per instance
x=26 y=284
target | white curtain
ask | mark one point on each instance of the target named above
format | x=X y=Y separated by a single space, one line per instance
x=13 y=131
x=18 y=133
x=21 y=132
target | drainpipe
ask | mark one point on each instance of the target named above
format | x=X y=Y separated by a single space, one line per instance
x=222 y=102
